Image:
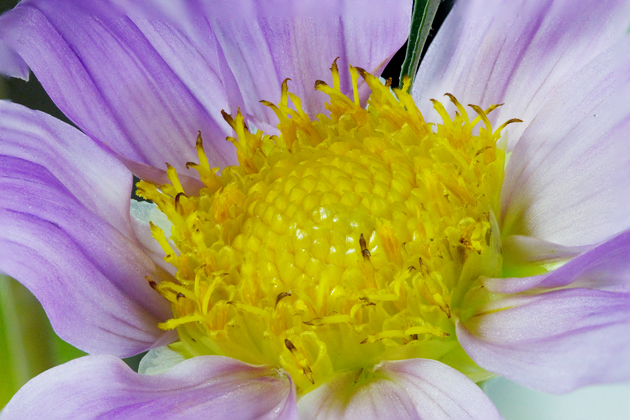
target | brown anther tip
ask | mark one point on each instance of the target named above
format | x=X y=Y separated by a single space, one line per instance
x=228 y=118
x=280 y=297
x=289 y=345
x=414 y=336
x=266 y=103
x=153 y=284
x=364 y=251
x=319 y=83
x=191 y=165
x=411 y=268
x=334 y=64
x=365 y=341
x=180 y=295
x=388 y=82
x=199 y=141
x=451 y=96
x=362 y=72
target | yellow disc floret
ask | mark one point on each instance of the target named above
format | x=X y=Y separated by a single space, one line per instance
x=346 y=240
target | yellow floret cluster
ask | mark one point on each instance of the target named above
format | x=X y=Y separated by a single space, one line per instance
x=346 y=240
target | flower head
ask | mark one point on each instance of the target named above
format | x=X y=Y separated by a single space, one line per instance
x=364 y=257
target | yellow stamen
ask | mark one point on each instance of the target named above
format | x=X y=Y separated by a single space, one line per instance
x=347 y=240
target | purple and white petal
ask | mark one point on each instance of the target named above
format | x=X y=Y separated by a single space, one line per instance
x=146 y=86
x=516 y=52
x=199 y=388
x=113 y=82
x=409 y=389
x=554 y=342
x=94 y=176
x=271 y=41
x=79 y=257
x=605 y=267
x=529 y=250
x=568 y=179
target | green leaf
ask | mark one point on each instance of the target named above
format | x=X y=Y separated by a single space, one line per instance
x=423 y=14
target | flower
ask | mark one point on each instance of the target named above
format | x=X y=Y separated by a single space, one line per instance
x=553 y=315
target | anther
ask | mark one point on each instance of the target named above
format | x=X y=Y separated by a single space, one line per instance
x=151 y=283
x=280 y=297
x=364 y=251
x=178 y=204
x=289 y=345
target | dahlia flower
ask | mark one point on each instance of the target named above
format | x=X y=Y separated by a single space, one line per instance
x=341 y=256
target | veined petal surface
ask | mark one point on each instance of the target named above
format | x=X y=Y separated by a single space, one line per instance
x=568 y=179
x=604 y=267
x=560 y=340
x=95 y=387
x=516 y=52
x=145 y=84
x=78 y=255
x=409 y=389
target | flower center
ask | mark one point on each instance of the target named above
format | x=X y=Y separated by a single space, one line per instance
x=344 y=241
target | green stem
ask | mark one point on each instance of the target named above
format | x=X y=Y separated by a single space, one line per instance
x=421 y=20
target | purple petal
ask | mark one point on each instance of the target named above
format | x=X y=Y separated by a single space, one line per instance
x=78 y=255
x=516 y=52
x=145 y=87
x=109 y=78
x=528 y=250
x=567 y=180
x=11 y=63
x=199 y=388
x=605 y=267
x=556 y=341
x=94 y=176
x=562 y=67
x=302 y=42
x=409 y=389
